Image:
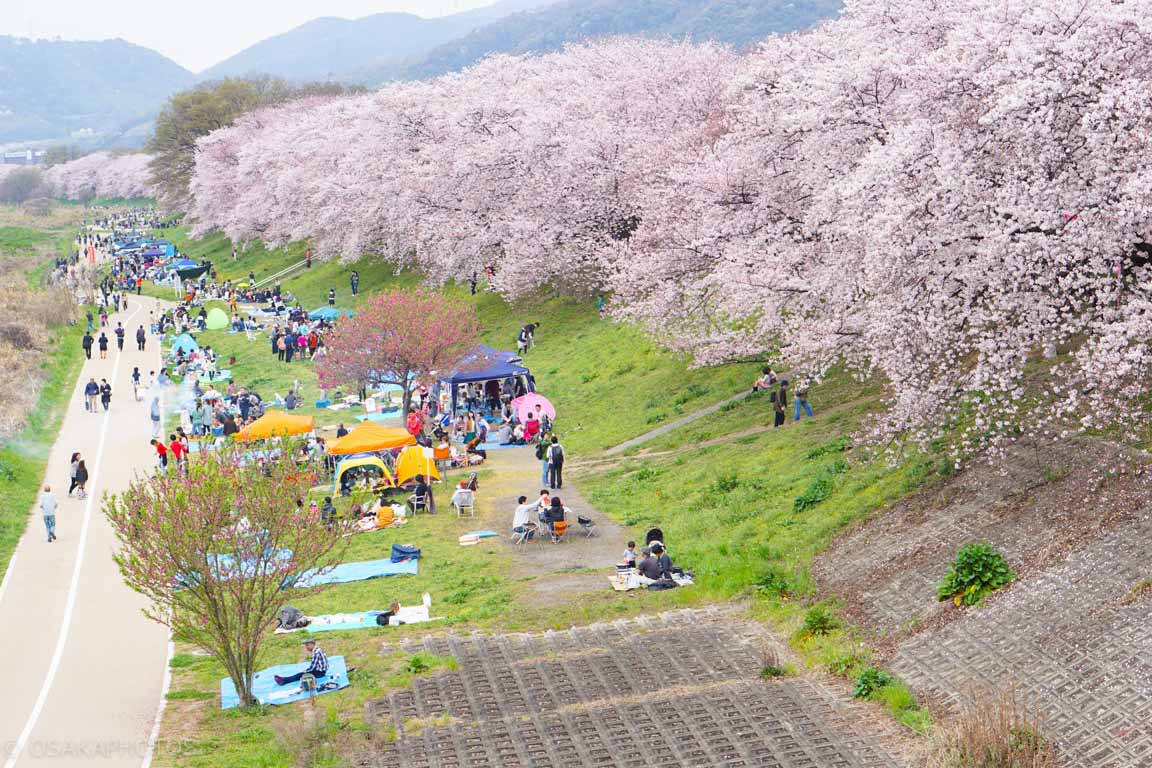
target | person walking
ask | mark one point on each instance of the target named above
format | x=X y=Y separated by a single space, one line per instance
x=555 y=464
x=161 y=454
x=331 y=297
x=102 y=342
x=119 y=337
x=154 y=413
x=136 y=384
x=105 y=394
x=801 y=398
x=81 y=479
x=91 y=395
x=141 y=337
x=48 y=506
x=355 y=280
x=86 y=342
x=73 y=466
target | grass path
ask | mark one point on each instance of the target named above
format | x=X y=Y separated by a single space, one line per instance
x=666 y=428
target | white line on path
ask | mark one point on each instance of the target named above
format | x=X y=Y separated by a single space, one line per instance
x=7 y=575
x=70 y=605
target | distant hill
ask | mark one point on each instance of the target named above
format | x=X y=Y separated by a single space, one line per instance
x=739 y=22
x=350 y=50
x=96 y=94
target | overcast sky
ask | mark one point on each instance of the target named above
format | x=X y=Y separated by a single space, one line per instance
x=195 y=33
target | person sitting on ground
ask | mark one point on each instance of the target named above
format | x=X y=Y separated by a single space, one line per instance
x=328 y=512
x=766 y=381
x=531 y=428
x=662 y=560
x=649 y=566
x=522 y=518
x=389 y=616
x=317 y=665
x=341 y=430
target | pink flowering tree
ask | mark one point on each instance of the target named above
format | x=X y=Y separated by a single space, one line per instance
x=102 y=174
x=398 y=338
x=951 y=197
x=213 y=548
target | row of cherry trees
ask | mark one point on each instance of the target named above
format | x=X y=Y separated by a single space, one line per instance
x=101 y=174
x=936 y=192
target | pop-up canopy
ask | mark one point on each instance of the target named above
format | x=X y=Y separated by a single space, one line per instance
x=368 y=437
x=483 y=363
x=276 y=424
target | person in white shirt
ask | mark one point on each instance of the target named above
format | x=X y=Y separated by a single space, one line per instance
x=522 y=519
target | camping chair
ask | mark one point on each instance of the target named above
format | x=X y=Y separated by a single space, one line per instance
x=530 y=530
x=416 y=503
x=468 y=502
x=586 y=525
x=559 y=531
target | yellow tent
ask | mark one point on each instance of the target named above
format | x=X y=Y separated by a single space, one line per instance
x=369 y=437
x=352 y=462
x=413 y=461
x=276 y=424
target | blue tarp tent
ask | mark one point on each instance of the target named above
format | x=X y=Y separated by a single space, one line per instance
x=184 y=343
x=183 y=264
x=484 y=364
x=324 y=313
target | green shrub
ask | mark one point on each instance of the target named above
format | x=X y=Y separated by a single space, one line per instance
x=978 y=571
x=774 y=582
x=726 y=483
x=819 y=621
x=821 y=487
x=771 y=671
x=869 y=682
x=836 y=446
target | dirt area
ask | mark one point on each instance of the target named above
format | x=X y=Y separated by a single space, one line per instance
x=1071 y=633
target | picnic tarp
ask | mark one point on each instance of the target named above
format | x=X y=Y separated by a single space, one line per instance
x=217 y=319
x=346 y=572
x=368 y=437
x=266 y=691
x=276 y=424
x=328 y=314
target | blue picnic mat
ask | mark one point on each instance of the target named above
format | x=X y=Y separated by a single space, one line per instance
x=266 y=691
x=345 y=572
x=497 y=446
x=343 y=621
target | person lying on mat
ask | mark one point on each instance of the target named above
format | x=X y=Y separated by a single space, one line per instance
x=389 y=616
x=317 y=665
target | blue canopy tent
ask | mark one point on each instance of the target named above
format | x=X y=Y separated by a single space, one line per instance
x=329 y=314
x=182 y=263
x=184 y=343
x=484 y=364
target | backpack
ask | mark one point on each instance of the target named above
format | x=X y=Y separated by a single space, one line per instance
x=540 y=451
x=556 y=454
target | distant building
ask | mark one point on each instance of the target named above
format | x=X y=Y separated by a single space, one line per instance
x=24 y=157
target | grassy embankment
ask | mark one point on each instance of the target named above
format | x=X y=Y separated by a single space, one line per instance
x=745 y=506
x=23 y=459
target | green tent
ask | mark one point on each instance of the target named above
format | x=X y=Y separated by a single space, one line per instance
x=217 y=320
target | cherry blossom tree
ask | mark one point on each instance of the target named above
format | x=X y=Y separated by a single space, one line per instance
x=398 y=338
x=102 y=174
x=213 y=547
x=949 y=196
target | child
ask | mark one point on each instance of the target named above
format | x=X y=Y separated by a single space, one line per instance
x=630 y=555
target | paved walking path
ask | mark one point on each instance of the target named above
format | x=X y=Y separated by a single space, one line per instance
x=83 y=669
x=666 y=428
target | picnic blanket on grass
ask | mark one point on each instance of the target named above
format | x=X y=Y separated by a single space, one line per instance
x=475 y=537
x=345 y=572
x=415 y=614
x=266 y=691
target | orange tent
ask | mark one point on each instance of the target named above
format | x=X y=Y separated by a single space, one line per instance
x=369 y=437
x=276 y=424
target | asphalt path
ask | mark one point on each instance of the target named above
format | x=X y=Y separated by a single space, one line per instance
x=82 y=669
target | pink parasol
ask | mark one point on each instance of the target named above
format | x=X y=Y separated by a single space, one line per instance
x=525 y=405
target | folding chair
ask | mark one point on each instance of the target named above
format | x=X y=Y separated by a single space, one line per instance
x=559 y=531
x=467 y=503
x=519 y=537
x=416 y=503
x=587 y=525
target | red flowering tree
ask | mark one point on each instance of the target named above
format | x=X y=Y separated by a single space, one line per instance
x=398 y=337
x=214 y=547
